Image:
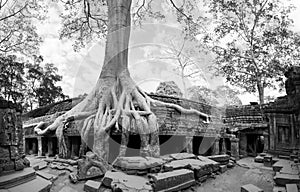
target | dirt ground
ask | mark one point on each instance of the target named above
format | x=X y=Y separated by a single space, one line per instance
x=232 y=180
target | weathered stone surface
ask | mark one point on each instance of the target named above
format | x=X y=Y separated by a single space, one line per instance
x=120 y=180
x=292 y=170
x=139 y=165
x=200 y=167
x=259 y=159
x=291 y=188
x=268 y=161
x=42 y=165
x=178 y=156
x=73 y=177
x=280 y=164
x=223 y=168
x=222 y=159
x=282 y=179
x=91 y=186
x=37 y=185
x=47 y=176
x=172 y=181
x=279 y=189
x=67 y=189
x=16 y=178
x=250 y=188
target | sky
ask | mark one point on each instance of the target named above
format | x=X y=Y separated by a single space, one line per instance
x=80 y=70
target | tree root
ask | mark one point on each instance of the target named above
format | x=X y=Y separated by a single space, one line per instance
x=113 y=103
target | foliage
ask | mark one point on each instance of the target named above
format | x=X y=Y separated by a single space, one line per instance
x=86 y=20
x=183 y=53
x=168 y=88
x=17 y=26
x=253 y=42
x=29 y=84
x=222 y=96
x=12 y=83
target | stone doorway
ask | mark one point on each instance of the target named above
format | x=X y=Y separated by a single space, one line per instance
x=31 y=146
x=254 y=144
x=171 y=144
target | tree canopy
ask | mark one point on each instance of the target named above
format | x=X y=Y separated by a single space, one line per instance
x=18 y=33
x=253 y=42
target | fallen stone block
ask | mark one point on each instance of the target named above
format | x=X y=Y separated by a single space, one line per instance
x=284 y=157
x=39 y=184
x=291 y=188
x=91 y=186
x=280 y=164
x=172 y=181
x=282 y=179
x=67 y=189
x=268 y=161
x=230 y=165
x=223 y=168
x=138 y=165
x=263 y=154
x=279 y=189
x=47 y=176
x=73 y=177
x=222 y=159
x=259 y=159
x=250 y=188
x=124 y=182
x=42 y=165
x=179 y=156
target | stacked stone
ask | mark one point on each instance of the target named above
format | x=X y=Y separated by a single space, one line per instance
x=11 y=138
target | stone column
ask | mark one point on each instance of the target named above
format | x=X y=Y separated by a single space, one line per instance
x=50 y=146
x=266 y=142
x=216 y=148
x=188 y=145
x=235 y=147
x=223 y=150
x=40 y=146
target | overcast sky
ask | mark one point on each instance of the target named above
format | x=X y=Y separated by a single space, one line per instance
x=80 y=70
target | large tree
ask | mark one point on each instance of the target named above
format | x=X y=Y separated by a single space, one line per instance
x=253 y=42
x=115 y=100
x=18 y=33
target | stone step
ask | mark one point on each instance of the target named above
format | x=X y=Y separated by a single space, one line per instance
x=17 y=178
x=39 y=184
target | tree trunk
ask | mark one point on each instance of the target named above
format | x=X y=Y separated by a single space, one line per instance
x=260 y=89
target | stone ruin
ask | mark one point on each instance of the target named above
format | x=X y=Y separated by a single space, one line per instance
x=11 y=138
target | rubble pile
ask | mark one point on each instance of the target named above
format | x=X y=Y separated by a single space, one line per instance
x=287 y=175
x=171 y=172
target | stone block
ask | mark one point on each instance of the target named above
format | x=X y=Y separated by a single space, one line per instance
x=259 y=159
x=172 y=181
x=47 y=176
x=222 y=159
x=291 y=188
x=124 y=182
x=91 y=186
x=279 y=189
x=268 y=161
x=223 y=168
x=250 y=188
x=282 y=179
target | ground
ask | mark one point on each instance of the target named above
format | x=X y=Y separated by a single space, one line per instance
x=246 y=171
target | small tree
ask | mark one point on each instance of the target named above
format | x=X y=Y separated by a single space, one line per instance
x=253 y=42
x=168 y=88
